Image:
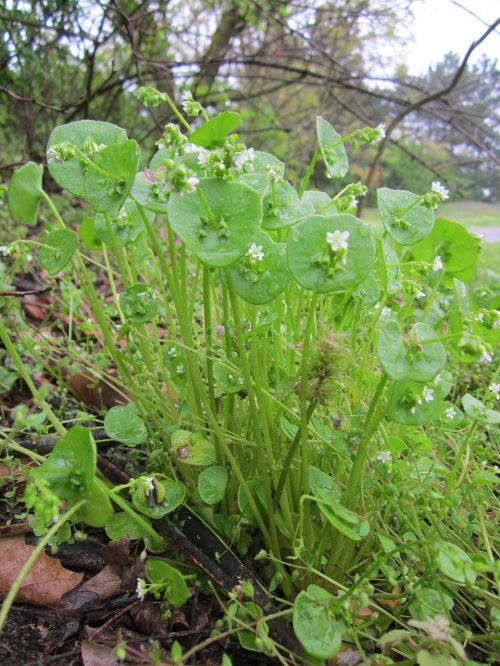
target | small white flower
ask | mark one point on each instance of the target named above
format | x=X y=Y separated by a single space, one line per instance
x=428 y=394
x=495 y=388
x=385 y=311
x=381 y=133
x=255 y=251
x=4 y=250
x=53 y=156
x=438 y=379
x=141 y=589
x=441 y=190
x=420 y=294
x=240 y=381
x=244 y=159
x=180 y=369
x=450 y=413
x=192 y=183
x=354 y=203
x=187 y=99
x=149 y=483
x=438 y=263
x=486 y=357
x=203 y=157
x=190 y=148
x=337 y=240
x=413 y=410
x=384 y=456
x=479 y=317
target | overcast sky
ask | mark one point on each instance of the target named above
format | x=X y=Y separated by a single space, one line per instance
x=441 y=26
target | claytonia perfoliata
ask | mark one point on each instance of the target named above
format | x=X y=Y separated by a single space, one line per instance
x=255 y=252
x=4 y=250
x=486 y=357
x=243 y=160
x=438 y=264
x=142 y=589
x=438 y=379
x=420 y=294
x=428 y=394
x=384 y=456
x=450 y=413
x=337 y=240
x=189 y=105
x=437 y=188
x=495 y=389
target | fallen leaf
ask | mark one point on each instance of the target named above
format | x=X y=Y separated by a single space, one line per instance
x=36 y=306
x=106 y=584
x=47 y=579
x=96 y=654
x=96 y=392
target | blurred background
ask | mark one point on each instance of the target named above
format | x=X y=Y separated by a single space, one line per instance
x=426 y=68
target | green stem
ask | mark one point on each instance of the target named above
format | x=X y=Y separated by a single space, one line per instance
x=308 y=173
x=207 y=319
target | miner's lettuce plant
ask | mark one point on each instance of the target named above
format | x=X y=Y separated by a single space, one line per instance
x=278 y=355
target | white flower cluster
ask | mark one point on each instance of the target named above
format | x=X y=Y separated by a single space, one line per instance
x=439 y=189
x=438 y=263
x=255 y=252
x=495 y=388
x=142 y=589
x=338 y=241
x=427 y=396
x=243 y=160
x=450 y=413
x=384 y=457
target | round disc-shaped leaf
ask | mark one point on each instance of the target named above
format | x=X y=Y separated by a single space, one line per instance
x=70 y=468
x=25 y=191
x=283 y=207
x=174 y=493
x=414 y=403
x=219 y=222
x=332 y=152
x=124 y=425
x=121 y=524
x=212 y=484
x=311 y=261
x=260 y=178
x=410 y=357
x=215 y=130
x=138 y=304
x=70 y=174
x=406 y=227
x=458 y=248
x=107 y=186
x=477 y=411
x=88 y=234
x=315 y=623
x=228 y=376
x=144 y=193
x=261 y=281
x=58 y=248
x=171 y=580
x=124 y=229
x=317 y=199
x=97 y=509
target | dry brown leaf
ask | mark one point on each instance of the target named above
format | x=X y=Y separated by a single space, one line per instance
x=96 y=654
x=107 y=583
x=36 y=306
x=96 y=392
x=47 y=579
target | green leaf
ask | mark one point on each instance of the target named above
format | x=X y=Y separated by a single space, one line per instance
x=428 y=603
x=283 y=208
x=25 y=192
x=215 y=130
x=332 y=152
x=256 y=489
x=228 y=376
x=172 y=581
x=122 y=230
x=70 y=174
x=319 y=481
x=174 y=495
x=408 y=405
x=478 y=412
x=120 y=525
x=218 y=222
x=107 y=193
x=315 y=624
x=88 y=234
x=143 y=193
x=193 y=449
x=124 y=425
x=250 y=612
x=454 y=563
x=458 y=248
x=70 y=467
x=138 y=304
x=260 y=179
x=409 y=356
x=407 y=228
x=426 y=658
x=313 y=264
x=317 y=199
x=260 y=282
x=97 y=509
x=58 y=248
x=212 y=484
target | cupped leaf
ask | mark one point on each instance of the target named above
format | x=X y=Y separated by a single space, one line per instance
x=97 y=509
x=454 y=562
x=70 y=468
x=407 y=227
x=332 y=149
x=193 y=449
x=144 y=192
x=138 y=304
x=212 y=484
x=122 y=230
x=414 y=403
x=70 y=174
x=409 y=356
x=260 y=281
x=173 y=492
x=215 y=130
x=170 y=580
x=108 y=183
x=88 y=234
x=283 y=207
x=121 y=524
x=321 y=482
x=479 y=412
x=24 y=193
x=58 y=248
x=458 y=248
x=260 y=178
x=315 y=266
x=317 y=199
x=315 y=622
x=124 y=425
x=228 y=377
x=256 y=488
x=218 y=222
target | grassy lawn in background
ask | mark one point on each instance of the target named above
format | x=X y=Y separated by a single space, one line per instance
x=469 y=213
